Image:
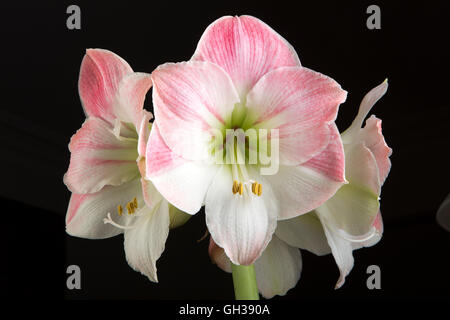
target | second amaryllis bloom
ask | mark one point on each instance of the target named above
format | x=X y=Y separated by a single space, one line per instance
x=244 y=76
x=351 y=219
x=106 y=175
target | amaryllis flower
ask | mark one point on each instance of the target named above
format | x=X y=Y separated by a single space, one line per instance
x=244 y=75
x=106 y=172
x=349 y=220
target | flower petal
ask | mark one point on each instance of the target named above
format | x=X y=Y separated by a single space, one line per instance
x=351 y=212
x=177 y=217
x=124 y=130
x=145 y=243
x=342 y=252
x=100 y=74
x=190 y=99
x=373 y=139
x=353 y=209
x=367 y=103
x=218 y=256
x=303 y=188
x=443 y=214
x=99 y=158
x=246 y=48
x=86 y=212
x=150 y=194
x=361 y=168
x=331 y=161
x=304 y=232
x=183 y=183
x=278 y=269
x=300 y=103
x=241 y=225
x=144 y=133
x=377 y=234
x=129 y=105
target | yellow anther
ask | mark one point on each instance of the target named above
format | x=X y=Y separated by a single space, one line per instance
x=135 y=204
x=235 y=187
x=241 y=188
x=119 y=209
x=129 y=208
x=259 y=189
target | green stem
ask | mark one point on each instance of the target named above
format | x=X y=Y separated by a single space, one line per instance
x=244 y=281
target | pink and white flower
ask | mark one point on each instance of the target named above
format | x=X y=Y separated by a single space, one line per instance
x=243 y=75
x=349 y=220
x=106 y=174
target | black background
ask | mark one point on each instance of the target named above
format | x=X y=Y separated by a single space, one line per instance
x=41 y=110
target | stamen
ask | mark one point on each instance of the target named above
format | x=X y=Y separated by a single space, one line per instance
x=119 y=209
x=238 y=187
x=257 y=188
x=130 y=207
x=110 y=221
x=235 y=187
x=135 y=202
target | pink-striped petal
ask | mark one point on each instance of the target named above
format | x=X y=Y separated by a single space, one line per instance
x=373 y=138
x=300 y=103
x=100 y=74
x=246 y=48
x=86 y=212
x=303 y=188
x=182 y=182
x=129 y=104
x=190 y=99
x=99 y=158
x=241 y=225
